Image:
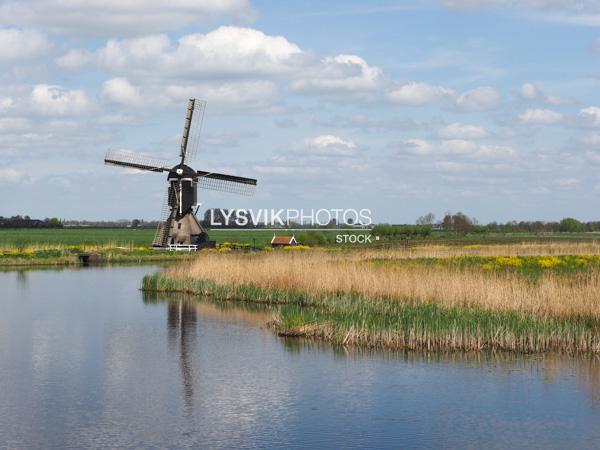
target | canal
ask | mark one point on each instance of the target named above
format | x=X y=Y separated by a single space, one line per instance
x=87 y=361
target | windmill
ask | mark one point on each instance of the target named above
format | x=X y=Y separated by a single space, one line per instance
x=178 y=224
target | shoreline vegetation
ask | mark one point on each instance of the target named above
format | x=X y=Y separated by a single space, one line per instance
x=546 y=299
x=68 y=255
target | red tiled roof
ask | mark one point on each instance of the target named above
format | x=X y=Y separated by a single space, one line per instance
x=282 y=240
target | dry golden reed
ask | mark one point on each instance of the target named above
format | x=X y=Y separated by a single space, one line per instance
x=444 y=251
x=340 y=273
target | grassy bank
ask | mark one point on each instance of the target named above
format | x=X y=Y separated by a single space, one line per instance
x=68 y=255
x=340 y=298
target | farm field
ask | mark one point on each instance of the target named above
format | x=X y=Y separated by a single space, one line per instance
x=11 y=237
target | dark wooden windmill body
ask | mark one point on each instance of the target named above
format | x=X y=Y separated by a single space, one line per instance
x=178 y=225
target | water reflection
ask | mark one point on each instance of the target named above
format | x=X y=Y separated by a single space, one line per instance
x=550 y=367
x=181 y=324
x=183 y=313
x=184 y=310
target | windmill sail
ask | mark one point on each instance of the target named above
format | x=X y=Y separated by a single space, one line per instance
x=226 y=183
x=125 y=158
x=191 y=130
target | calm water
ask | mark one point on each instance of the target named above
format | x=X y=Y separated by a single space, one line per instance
x=86 y=361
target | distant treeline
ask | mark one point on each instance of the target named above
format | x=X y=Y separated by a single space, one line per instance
x=27 y=222
x=566 y=225
x=462 y=223
x=123 y=223
x=54 y=222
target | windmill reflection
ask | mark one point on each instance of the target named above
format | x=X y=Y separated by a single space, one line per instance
x=181 y=322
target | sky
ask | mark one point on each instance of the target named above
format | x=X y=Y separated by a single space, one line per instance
x=488 y=107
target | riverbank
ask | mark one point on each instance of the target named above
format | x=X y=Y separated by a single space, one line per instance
x=69 y=255
x=348 y=299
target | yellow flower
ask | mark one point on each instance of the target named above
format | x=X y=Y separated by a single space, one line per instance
x=547 y=262
x=509 y=261
x=296 y=247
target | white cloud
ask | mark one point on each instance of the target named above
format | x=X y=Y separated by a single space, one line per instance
x=18 y=44
x=10 y=175
x=418 y=94
x=218 y=61
x=6 y=103
x=341 y=73
x=55 y=100
x=540 y=116
x=418 y=146
x=495 y=151
x=120 y=90
x=329 y=145
x=555 y=100
x=258 y=94
x=590 y=116
x=457 y=130
x=478 y=99
x=247 y=94
x=529 y=91
x=460 y=148
x=74 y=59
x=117 y=17
x=226 y=51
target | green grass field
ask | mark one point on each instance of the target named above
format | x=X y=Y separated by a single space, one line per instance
x=11 y=237
x=20 y=237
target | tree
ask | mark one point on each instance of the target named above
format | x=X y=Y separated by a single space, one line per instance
x=135 y=223
x=427 y=219
x=53 y=222
x=462 y=223
x=570 y=225
x=458 y=222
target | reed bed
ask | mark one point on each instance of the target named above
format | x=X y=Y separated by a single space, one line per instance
x=429 y=307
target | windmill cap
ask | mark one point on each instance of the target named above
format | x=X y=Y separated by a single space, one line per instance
x=182 y=171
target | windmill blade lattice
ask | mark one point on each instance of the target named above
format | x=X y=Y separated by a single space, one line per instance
x=125 y=158
x=226 y=183
x=192 y=138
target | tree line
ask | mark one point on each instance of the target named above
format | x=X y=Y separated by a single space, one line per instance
x=462 y=223
x=28 y=222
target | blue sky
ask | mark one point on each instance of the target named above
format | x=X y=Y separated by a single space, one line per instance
x=488 y=107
